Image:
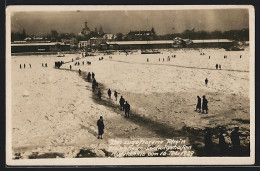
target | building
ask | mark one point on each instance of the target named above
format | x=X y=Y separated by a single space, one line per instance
x=123 y=45
x=109 y=36
x=39 y=47
x=85 y=30
x=210 y=43
x=142 y=33
x=95 y=42
x=164 y=44
x=83 y=44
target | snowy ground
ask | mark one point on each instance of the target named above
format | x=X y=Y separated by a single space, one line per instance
x=54 y=112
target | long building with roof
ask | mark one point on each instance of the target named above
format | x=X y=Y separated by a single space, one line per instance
x=160 y=44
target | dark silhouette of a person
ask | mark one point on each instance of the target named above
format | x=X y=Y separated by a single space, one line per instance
x=101 y=127
x=204 y=104
x=109 y=93
x=127 y=109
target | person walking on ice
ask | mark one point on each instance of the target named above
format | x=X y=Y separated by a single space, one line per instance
x=101 y=127
x=79 y=72
x=204 y=105
x=206 y=81
x=20 y=66
x=115 y=94
x=122 y=103
x=198 y=106
x=99 y=94
x=127 y=109
x=109 y=93
x=70 y=67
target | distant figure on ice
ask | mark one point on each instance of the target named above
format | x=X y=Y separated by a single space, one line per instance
x=219 y=66
x=208 y=143
x=174 y=56
x=198 y=106
x=30 y=65
x=115 y=94
x=99 y=94
x=206 y=81
x=222 y=143
x=93 y=87
x=82 y=62
x=72 y=60
x=24 y=65
x=127 y=109
x=46 y=65
x=240 y=56
x=216 y=66
x=42 y=65
x=204 y=104
x=147 y=60
x=209 y=57
x=159 y=59
x=20 y=66
x=94 y=82
x=93 y=75
x=79 y=72
x=235 y=140
x=109 y=93
x=101 y=127
x=88 y=77
x=163 y=59
x=122 y=103
x=70 y=67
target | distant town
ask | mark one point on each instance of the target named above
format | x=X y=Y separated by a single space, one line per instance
x=97 y=39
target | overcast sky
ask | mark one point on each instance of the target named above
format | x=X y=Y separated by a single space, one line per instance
x=164 y=22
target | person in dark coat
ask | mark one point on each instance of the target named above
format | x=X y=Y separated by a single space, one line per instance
x=99 y=94
x=206 y=81
x=198 y=106
x=208 y=143
x=219 y=66
x=20 y=66
x=127 y=109
x=235 y=140
x=79 y=72
x=101 y=127
x=115 y=94
x=30 y=65
x=122 y=103
x=70 y=67
x=216 y=66
x=204 y=105
x=93 y=75
x=24 y=65
x=222 y=143
x=42 y=65
x=109 y=93
x=88 y=77
x=46 y=65
x=93 y=87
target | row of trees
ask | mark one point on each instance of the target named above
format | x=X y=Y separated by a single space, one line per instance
x=239 y=35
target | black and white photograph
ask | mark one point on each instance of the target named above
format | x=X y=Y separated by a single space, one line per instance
x=130 y=85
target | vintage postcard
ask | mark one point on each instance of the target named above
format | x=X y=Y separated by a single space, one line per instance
x=130 y=85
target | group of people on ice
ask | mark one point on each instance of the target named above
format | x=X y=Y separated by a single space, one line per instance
x=223 y=147
x=24 y=66
x=124 y=105
x=204 y=105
